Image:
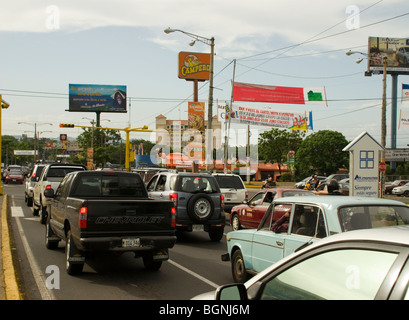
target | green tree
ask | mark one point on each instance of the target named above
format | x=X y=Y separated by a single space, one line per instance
x=321 y=153
x=275 y=144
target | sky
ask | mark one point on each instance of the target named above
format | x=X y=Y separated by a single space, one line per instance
x=46 y=45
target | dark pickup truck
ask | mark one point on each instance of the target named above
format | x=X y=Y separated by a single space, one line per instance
x=108 y=211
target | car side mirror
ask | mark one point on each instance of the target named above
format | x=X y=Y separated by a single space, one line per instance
x=49 y=193
x=235 y=291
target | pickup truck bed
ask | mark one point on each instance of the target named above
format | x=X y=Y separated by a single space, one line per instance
x=98 y=211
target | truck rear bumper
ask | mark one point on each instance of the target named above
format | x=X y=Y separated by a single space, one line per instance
x=126 y=243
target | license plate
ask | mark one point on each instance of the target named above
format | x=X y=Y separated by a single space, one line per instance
x=197 y=227
x=133 y=242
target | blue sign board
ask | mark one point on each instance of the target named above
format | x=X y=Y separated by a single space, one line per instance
x=97 y=98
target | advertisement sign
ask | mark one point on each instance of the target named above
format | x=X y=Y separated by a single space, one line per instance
x=364 y=158
x=276 y=94
x=266 y=117
x=194 y=66
x=396 y=50
x=97 y=98
x=196 y=116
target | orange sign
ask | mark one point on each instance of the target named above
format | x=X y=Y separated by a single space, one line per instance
x=194 y=66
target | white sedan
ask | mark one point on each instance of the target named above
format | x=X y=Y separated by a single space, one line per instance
x=401 y=191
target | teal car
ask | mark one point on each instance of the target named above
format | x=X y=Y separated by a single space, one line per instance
x=293 y=223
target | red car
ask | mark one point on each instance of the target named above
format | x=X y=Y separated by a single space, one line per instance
x=249 y=214
x=14 y=177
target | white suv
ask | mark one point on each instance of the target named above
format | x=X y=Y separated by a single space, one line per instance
x=233 y=189
x=51 y=177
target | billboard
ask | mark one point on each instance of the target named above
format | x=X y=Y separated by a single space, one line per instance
x=278 y=94
x=196 y=111
x=194 y=66
x=396 y=50
x=97 y=98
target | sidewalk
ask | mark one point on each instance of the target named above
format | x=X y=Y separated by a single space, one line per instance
x=8 y=283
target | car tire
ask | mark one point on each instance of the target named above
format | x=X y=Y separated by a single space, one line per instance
x=235 y=222
x=43 y=214
x=216 y=234
x=238 y=268
x=71 y=253
x=36 y=211
x=406 y=193
x=29 y=202
x=50 y=244
x=150 y=264
x=200 y=207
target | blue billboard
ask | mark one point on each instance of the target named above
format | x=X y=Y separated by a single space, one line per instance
x=97 y=98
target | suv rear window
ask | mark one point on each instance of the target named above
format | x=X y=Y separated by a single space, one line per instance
x=194 y=184
x=229 y=182
x=61 y=172
x=110 y=185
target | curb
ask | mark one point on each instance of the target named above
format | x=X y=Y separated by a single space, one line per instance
x=9 y=275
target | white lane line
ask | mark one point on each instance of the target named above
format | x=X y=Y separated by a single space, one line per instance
x=37 y=273
x=17 y=212
x=210 y=283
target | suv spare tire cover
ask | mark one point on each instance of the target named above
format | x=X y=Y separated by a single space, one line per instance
x=200 y=207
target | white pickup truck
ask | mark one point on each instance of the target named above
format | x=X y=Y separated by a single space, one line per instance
x=50 y=178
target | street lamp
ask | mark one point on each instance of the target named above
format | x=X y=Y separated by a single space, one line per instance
x=35 y=135
x=209 y=42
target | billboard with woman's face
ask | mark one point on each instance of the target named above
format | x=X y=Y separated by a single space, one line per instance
x=97 y=98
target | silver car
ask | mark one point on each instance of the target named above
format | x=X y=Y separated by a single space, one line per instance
x=370 y=264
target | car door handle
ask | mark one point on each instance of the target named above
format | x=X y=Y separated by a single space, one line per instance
x=280 y=243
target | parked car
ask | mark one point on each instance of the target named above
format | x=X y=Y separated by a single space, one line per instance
x=401 y=191
x=394 y=184
x=14 y=176
x=197 y=198
x=31 y=181
x=50 y=178
x=301 y=184
x=310 y=219
x=368 y=264
x=249 y=214
x=233 y=189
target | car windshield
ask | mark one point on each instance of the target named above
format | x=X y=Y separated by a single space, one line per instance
x=229 y=182
x=195 y=184
x=366 y=217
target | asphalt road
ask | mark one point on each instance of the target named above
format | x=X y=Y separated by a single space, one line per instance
x=194 y=267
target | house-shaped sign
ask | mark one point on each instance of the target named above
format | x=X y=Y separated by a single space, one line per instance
x=364 y=156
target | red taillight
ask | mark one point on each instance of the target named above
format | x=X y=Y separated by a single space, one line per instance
x=83 y=217
x=173 y=214
x=48 y=186
x=174 y=198
x=247 y=195
x=221 y=201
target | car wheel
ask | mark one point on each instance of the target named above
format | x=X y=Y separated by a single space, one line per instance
x=200 y=207
x=238 y=268
x=29 y=202
x=74 y=260
x=150 y=264
x=43 y=214
x=406 y=193
x=216 y=234
x=49 y=234
x=235 y=222
x=36 y=211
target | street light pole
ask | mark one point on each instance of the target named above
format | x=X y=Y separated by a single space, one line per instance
x=209 y=42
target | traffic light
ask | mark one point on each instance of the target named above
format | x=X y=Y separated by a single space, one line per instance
x=66 y=125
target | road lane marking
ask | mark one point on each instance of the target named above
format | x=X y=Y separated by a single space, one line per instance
x=210 y=283
x=39 y=276
x=17 y=212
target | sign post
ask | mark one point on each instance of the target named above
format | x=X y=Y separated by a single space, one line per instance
x=364 y=166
